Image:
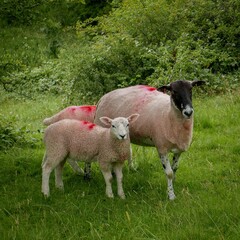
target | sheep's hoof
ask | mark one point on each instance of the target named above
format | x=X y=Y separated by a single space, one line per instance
x=46 y=195
x=172 y=197
x=60 y=187
x=122 y=196
x=110 y=195
x=87 y=177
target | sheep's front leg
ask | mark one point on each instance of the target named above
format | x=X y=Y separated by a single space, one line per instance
x=107 y=174
x=118 y=171
x=58 y=175
x=175 y=164
x=169 y=173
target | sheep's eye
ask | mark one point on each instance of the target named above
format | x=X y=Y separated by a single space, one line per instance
x=128 y=125
x=113 y=126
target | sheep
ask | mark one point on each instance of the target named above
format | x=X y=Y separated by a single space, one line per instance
x=165 y=122
x=85 y=141
x=83 y=113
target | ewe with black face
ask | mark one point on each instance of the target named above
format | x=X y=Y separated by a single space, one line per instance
x=166 y=121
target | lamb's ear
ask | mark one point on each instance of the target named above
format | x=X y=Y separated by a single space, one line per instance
x=132 y=118
x=164 y=88
x=106 y=120
x=197 y=83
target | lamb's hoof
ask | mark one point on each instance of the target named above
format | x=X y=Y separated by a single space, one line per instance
x=60 y=187
x=122 y=196
x=110 y=195
x=46 y=195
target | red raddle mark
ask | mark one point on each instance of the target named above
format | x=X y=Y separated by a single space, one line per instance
x=88 y=109
x=148 y=88
x=89 y=125
x=72 y=109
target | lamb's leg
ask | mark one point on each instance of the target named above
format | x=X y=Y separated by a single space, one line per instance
x=107 y=174
x=75 y=167
x=169 y=173
x=58 y=175
x=50 y=161
x=118 y=171
x=175 y=164
x=46 y=171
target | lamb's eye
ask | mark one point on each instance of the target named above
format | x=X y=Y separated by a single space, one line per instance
x=113 y=126
x=128 y=125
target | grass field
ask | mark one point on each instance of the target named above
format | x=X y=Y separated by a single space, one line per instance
x=207 y=184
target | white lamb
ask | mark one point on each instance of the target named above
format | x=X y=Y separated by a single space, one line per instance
x=85 y=141
x=83 y=113
x=165 y=122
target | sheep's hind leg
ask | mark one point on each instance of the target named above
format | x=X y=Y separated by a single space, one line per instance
x=118 y=171
x=46 y=171
x=169 y=173
x=87 y=171
x=175 y=164
x=58 y=175
x=132 y=166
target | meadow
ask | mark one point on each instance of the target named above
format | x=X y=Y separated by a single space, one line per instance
x=207 y=184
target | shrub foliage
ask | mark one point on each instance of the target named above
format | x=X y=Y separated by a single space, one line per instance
x=118 y=43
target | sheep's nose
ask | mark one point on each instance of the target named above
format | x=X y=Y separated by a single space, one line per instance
x=188 y=112
x=122 y=136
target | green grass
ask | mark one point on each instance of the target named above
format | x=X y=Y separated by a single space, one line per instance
x=207 y=184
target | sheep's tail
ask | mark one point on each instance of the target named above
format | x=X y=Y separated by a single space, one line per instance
x=49 y=121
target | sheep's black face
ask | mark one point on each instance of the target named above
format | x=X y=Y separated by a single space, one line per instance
x=181 y=95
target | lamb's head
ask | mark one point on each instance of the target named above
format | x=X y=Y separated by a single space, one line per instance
x=181 y=95
x=120 y=125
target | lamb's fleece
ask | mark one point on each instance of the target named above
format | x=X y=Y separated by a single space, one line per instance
x=85 y=141
x=82 y=113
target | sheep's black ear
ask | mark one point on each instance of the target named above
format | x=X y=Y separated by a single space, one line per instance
x=164 y=88
x=198 y=83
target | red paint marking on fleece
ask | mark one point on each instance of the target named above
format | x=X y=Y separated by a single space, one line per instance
x=72 y=109
x=148 y=88
x=89 y=124
x=88 y=109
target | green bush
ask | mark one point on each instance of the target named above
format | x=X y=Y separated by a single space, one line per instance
x=19 y=12
x=138 y=42
x=111 y=62
x=50 y=77
x=151 y=42
x=66 y=12
x=11 y=136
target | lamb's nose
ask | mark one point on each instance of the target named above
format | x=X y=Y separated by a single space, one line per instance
x=122 y=136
